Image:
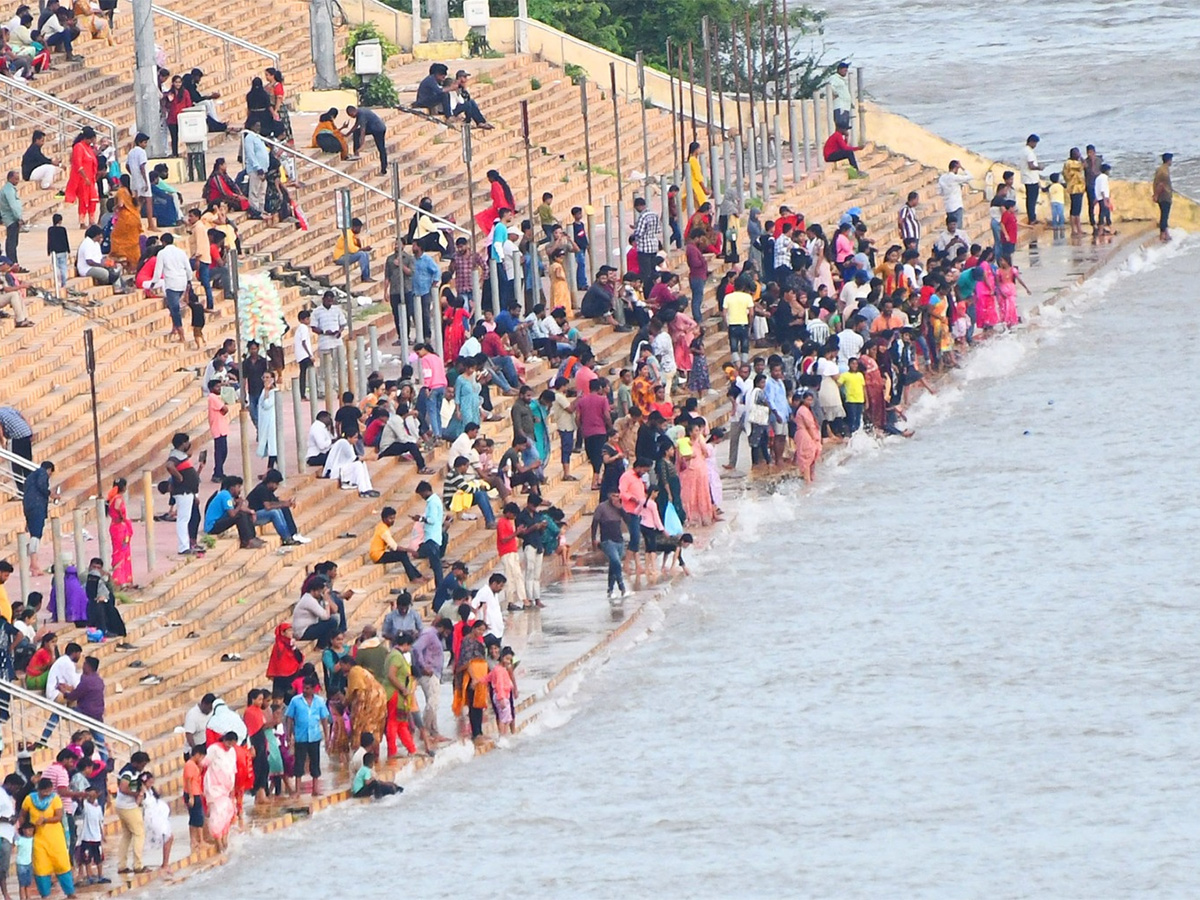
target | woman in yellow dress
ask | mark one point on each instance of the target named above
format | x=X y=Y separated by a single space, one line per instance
x=44 y=810
x=91 y=19
x=699 y=194
x=368 y=703
x=127 y=232
x=560 y=291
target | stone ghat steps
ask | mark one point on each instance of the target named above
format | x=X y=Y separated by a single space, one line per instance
x=236 y=605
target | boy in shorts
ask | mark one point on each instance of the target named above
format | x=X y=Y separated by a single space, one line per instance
x=24 y=845
x=90 y=835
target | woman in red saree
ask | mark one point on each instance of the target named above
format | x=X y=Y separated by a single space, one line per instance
x=221 y=187
x=702 y=219
x=502 y=198
x=81 y=182
x=876 y=393
x=120 y=532
x=456 y=321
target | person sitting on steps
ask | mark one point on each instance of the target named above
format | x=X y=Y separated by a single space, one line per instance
x=437 y=92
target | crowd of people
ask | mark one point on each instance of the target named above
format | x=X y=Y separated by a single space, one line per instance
x=831 y=327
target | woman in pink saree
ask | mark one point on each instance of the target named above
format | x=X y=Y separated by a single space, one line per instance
x=808 y=438
x=694 y=487
x=683 y=330
x=120 y=532
x=220 y=775
x=876 y=389
x=987 y=314
x=1007 y=278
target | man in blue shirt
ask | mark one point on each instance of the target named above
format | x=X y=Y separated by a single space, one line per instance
x=258 y=160
x=228 y=508
x=432 y=545
x=307 y=723
x=775 y=392
x=456 y=578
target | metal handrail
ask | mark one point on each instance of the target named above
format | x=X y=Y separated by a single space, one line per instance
x=225 y=36
x=10 y=471
x=48 y=101
x=284 y=148
x=15 y=691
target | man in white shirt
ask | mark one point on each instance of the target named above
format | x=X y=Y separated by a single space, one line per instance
x=139 y=177
x=1103 y=194
x=843 y=103
x=195 y=722
x=950 y=184
x=328 y=321
x=62 y=678
x=784 y=245
x=302 y=349
x=463 y=445
x=320 y=439
x=850 y=342
x=1030 y=179
x=854 y=291
x=172 y=272
x=743 y=385
x=90 y=262
x=951 y=239
x=486 y=605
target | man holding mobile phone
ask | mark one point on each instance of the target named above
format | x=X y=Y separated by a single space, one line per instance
x=184 y=488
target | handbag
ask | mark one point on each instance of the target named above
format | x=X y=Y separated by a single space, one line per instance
x=758 y=414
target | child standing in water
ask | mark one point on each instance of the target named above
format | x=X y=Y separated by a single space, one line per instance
x=504 y=691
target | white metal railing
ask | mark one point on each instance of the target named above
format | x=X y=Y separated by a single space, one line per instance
x=228 y=40
x=26 y=713
x=48 y=112
x=10 y=481
x=367 y=187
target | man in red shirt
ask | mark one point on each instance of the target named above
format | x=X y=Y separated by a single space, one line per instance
x=508 y=551
x=838 y=148
x=492 y=345
x=594 y=414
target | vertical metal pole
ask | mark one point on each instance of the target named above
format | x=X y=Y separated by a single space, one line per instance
x=313 y=407
x=791 y=102
x=103 y=538
x=816 y=129
x=373 y=343
x=244 y=398
x=829 y=125
x=298 y=422
x=147 y=95
x=344 y=193
x=495 y=273
x=533 y=251
x=641 y=83
x=778 y=155
x=360 y=364
x=671 y=90
x=327 y=381
x=468 y=156
x=520 y=276
x=280 y=437
x=804 y=136
x=713 y=181
x=725 y=172
x=77 y=537
x=404 y=337
x=690 y=205
x=683 y=142
x=418 y=315
x=608 y=230
x=587 y=162
x=60 y=573
x=612 y=71
x=665 y=214
x=89 y=356
x=148 y=516
x=436 y=314
x=372 y=330
x=862 y=115
x=752 y=144
x=765 y=132
x=775 y=53
x=739 y=162
x=23 y=569
x=692 y=89
x=341 y=358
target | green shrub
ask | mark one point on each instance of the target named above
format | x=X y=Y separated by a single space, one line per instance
x=535 y=84
x=574 y=72
x=368 y=32
x=477 y=43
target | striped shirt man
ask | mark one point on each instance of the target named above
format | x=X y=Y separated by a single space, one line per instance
x=907 y=221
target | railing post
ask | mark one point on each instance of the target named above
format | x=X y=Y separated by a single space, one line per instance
x=608 y=229
x=327 y=382
x=103 y=538
x=298 y=422
x=77 y=537
x=360 y=365
x=313 y=399
x=60 y=575
x=23 y=565
x=862 y=114
x=148 y=519
x=494 y=272
x=280 y=434
x=373 y=339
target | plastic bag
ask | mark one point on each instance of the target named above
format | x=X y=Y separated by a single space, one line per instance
x=671 y=523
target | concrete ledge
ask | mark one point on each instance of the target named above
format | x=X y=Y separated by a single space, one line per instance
x=441 y=50
x=319 y=101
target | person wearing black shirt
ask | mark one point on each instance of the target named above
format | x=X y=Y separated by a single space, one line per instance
x=368 y=123
x=36 y=165
x=347 y=418
x=530 y=526
x=435 y=94
x=269 y=508
x=255 y=367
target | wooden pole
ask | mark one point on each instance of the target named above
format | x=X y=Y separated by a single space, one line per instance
x=775 y=50
x=534 y=289
x=641 y=82
x=713 y=181
x=752 y=146
x=791 y=101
